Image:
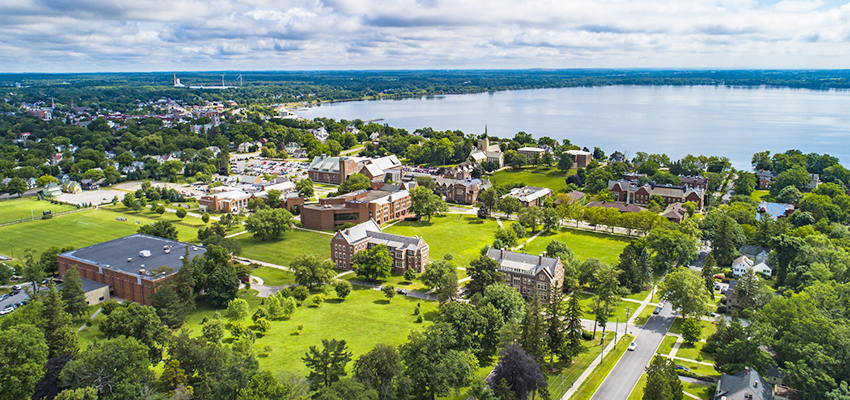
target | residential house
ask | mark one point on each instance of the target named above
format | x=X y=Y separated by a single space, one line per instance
x=775 y=375
x=486 y=152
x=743 y=263
x=320 y=133
x=71 y=187
x=675 y=212
x=580 y=157
x=617 y=157
x=406 y=252
x=747 y=384
x=31 y=183
x=88 y=184
x=765 y=178
x=774 y=210
x=461 y=191
x=759 y=254
x=530 y=195
x=52 y=189
x=294 y=150
x=694 y=182
x=529 y=274
x=627 y=192
x=813 y=184
x=360 y=206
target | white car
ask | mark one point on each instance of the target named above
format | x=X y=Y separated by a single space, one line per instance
x=632 y=346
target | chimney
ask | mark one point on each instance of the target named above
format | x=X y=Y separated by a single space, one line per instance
x=348 y=231
x=503 y=252
x=141 y=271
x=746 y=370
x=540 y=259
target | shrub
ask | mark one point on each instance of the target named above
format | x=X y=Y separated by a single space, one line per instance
x=47 y=216
x=419 y=318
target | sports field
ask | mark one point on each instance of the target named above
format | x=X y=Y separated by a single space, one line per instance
x=28 y=207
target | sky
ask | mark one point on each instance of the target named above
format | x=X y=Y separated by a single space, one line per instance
x=195 y=35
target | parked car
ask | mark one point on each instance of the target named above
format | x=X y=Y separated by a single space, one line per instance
x=401 y=291
x=682 y=368
x=716 y=287
x=16 y=287
x=632 y=346
x=657 y=310
x=723 y=291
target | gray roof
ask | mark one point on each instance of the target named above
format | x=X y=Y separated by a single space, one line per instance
x=465 y=182
x=89 y=285
x=752 y=251
x=746 y=381
x=528 y=193
x=528 y=264
x=371 y=232
x=115 y=253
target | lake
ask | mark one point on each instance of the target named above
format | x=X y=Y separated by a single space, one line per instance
x=676 y=120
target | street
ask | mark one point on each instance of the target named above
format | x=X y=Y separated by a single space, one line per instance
x=623 y=378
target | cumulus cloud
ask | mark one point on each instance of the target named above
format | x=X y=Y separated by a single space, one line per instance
x=115 y=35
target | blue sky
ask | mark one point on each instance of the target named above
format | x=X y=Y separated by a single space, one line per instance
x=160 y=35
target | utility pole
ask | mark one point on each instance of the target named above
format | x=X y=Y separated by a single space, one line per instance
x=626 y=328
x=617 y=329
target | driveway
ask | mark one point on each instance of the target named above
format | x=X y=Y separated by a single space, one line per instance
x=623 y=378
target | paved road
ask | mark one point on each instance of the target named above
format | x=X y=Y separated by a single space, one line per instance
x=623 y=378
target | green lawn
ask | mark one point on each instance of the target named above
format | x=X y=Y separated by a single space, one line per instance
x=645 y=314
x=640 y=296
x=667 y=345
x=707 y=328
x=462 y=235
x=598 y=375
x=88 y=227
x=284 y=251
x=550 y=177
x=274 y=276
x=701 y=391
x=606 y=248
x=699 y=368
x=759 y=195
x=396 y=280
x=565 y=375
x=18 y=209
x=694 y=352
x=637 y=392
x=588 y=304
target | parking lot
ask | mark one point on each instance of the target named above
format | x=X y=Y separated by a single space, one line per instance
x=13 y=299
x=95 y=197
x=259 y=166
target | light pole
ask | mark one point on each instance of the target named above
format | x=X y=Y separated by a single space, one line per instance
x=626 y=328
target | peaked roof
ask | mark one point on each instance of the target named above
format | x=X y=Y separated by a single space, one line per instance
x=370 y=231
x=748 y=380
x=523 y=263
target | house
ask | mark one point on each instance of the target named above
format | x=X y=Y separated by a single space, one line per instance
x=617 y=157
x=694 y=182
x=406 y=252
x=746 y=384
x=765 y=178
x=294 y=150
x=486 y=152
x=88 y=184
x=775 y=375
x=580 y=157
x=52 y=189
x=743 y=263
x=71 y=187
x=675 y=213
x=130 y=266
x=622 y=208
x=230 y=201
x=532 y=153
x=461 y=191
x=320 y=134
x=530 y=195
x=360 y=206
x=529 y=274
x=628 y=192
x=759 y=254
x=31 y=183
x=813 y=184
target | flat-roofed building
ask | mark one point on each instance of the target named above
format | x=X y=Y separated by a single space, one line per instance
x=356 y=207
x=406 y=252
x=529 y=196
x=131 y=265
x=580 y=158
x=529 y=274
x=230 y=201
x=531 y=152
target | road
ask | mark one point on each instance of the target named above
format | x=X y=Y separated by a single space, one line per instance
x=623 y=378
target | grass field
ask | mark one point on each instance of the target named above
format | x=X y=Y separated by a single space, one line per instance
x=18 y=209
x=637 y=392
x=694 y=352
x=89 y=227
x=645 y=314
x=586 y=390
x=640 y=296
x=699 y=368
x=550 y=178
x=462 y=235
x=274 y=276
x=707 y=328
x=667 y=345
x=588 y=304
x=606 y=248
x=396 y=280
x=759 y=195
x=563 y=378
x=701 y=391
x=284 y=251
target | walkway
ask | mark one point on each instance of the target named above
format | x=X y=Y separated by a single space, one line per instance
x=589 y=370
x=93 y=316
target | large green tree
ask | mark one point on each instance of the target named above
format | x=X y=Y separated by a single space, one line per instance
x=163 y=229
x=483 y=272
x=72 y=292
x=441 y=275
x=310 y=270
x=328 y=364
x=662 y=382
x=379 y=369
x=269 y=223
x=685 y=290
x=23 y=354
x=118 y=368
x=137 y=321
x=433 y=364
x=521 y=372
x=425 y=204
x=374 y=263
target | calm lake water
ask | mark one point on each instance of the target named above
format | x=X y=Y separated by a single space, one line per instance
x=731 y=122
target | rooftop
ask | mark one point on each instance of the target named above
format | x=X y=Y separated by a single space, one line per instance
x=89 y=285
x=124 y=254
x=528 y=264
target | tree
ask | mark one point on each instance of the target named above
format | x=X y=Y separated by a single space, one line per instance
x=519 y=161
x=409 y=274
x=555 y=335
x=728 y=237
x=73 y=294
x=389 y=292
x=86 y=393
x=328 y=365
x=379 y=369
x=32 y=270
x=551 y=219
x=181 y=212
x=342 y=288
x=354 y=182
x=565 y=162
x=745 y=183
x=509 y=205
x=300 y=293
x=172 y=377
x=505 y=299
x=319 y=299
x=305 y=187
x=60 y=336
x=424 y=203
x=530 y=217
x=49 y=260
x=691 y=330
x=269 y=223
x=606 y=284
x=574 y=339
x=137 y=321
x=6 y=273
x=264 y=386
x=163 y=229
x=221 y=284
x=160 y=209
x=483 y=272
x=671 y=246
x=685 y=290
x=520 y=371
x=441 y=275
x=310 y=270
x=237 y=310
x=662 y=382
x=533 y=330
x=374 y=263
x=118 y=368
x=762 y=161
x=346 y=389
x=205 y=217
x=489 y=198
x=23 y=354
x=16 y=186
x=707 y=273
x=433 y=364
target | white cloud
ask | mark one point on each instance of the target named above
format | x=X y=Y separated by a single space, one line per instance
x=43 y=35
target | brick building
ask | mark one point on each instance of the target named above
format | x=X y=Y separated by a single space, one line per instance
x=580 y=158
x=694 y=182
x=624 y=191
x=336 y=170
x=356 y=207
x=460 y=191
x=230 y=201
x=126 y=264
x=529 y=273
x=406 y=252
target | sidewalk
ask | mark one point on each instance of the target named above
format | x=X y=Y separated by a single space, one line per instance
x=589 y=370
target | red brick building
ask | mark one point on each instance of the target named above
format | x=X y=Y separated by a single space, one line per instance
x=406 y=252
x=460 y=191
x=127 y=264
x=580 y=158
x=624 y=191
x=231 y=201
x=363 y=205
x=529 y=274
